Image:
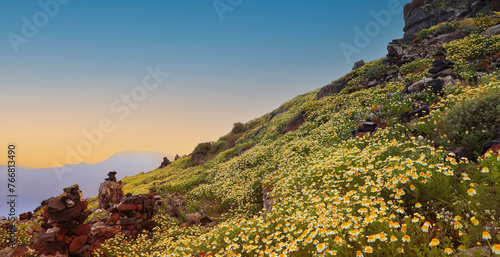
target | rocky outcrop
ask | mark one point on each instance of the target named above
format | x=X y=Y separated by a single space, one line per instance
x=64 y=231
x=423 y=14
x=331 y=89
x=294 y=124
x=165 y=162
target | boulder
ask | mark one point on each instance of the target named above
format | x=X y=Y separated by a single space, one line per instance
x=81 y=229
x=420 y=14
x=77 y=243
x=294 y=124
x=331 y=89
x=487 y=146
x=460 y=152
x=495 y=30
x=55 y=205
x=67 y=214
x=123 y=207
x=358 y=65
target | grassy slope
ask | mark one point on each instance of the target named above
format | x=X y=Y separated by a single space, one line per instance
x=333 y=195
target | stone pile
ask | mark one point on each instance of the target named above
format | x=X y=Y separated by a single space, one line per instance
x=110 y=192
x=134 y=213
x=441 y=75
x=64 y=231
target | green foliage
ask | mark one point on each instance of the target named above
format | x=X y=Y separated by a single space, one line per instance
x=473 y=122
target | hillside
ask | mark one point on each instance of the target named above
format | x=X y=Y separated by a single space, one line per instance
x=390 y=159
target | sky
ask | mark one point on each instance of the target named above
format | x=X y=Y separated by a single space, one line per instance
x=83 y=80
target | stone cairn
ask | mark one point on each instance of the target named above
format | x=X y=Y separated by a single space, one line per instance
x=441 y=75
x=110 y=192
x=164 y=163
x=64 y=231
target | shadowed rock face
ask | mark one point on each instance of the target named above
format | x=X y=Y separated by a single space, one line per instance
x=423 y=14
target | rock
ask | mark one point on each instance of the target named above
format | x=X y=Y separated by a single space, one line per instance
x=110 y=193
x=437 y=86
x=421 y=112
x=77 y=243
x=420 y=14
x=193 y=218
x=67 y=214
x=441 y=65
x=127 y=221
x=47 y=236
x=164 y=163
x=276 y=112
x=123 y=207
x=445 y=73
x=358 y=65
x=81 y=229
x=177 y=157
x=487 y=146
x=205 y=220
x=495 y=30
x=55 y=205
x=331 y=89
x=450 y=37
x=25 y=216
x=416 y=87
x=460 y=152
x=294 y=124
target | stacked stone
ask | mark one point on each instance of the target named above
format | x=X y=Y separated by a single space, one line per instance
x=110 y=192
x=441 y=74
x=63 y=231
x=134 y=212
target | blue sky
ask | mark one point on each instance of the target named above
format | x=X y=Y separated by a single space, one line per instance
x=260 y=55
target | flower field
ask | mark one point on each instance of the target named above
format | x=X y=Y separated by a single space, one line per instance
x=394 y=192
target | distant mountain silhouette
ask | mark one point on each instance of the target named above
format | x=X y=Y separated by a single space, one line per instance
x=35 y=185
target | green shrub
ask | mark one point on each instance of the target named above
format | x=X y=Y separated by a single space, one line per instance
x=473 y=122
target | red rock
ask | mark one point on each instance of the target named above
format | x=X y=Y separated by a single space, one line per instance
x=67 y=240
x=114 y=217
x=138 y=207
x=138 y=215
x=46 y=215
x=77 y=243
x=129 y=227
x=25 y=216
x=84 y=204
x=495 y=149
x=81 y=229
x=19 y=252
x=59 y=237
x=126 y=207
